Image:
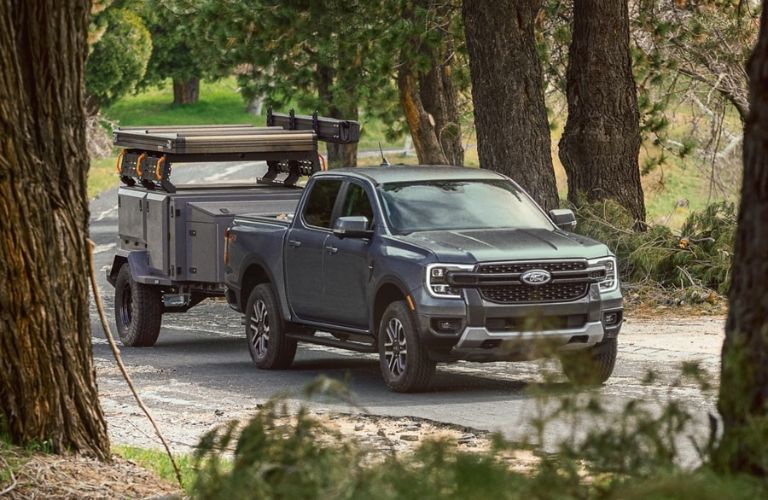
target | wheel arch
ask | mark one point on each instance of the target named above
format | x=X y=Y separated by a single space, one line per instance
x=388 y=292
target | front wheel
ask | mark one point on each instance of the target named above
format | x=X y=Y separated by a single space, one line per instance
x=138 y=310
x=405 y=364
x=265 y=329
x=592 y=366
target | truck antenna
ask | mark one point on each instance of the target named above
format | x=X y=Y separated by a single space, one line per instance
x=384 y=162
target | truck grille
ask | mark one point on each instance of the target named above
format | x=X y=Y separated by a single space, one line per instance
x=523 y=293
x=551 y=292
x=521 y=267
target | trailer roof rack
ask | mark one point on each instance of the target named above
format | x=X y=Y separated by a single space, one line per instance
x=288 y=144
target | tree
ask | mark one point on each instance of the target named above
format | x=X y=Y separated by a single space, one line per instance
x=507 y=91
x=601 y=141
x=323 y=58
x=428 y=93
x=118 y=60
x=47 y=379
x=176 y=52
x=743 y=400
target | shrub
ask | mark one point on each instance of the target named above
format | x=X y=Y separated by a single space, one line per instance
x=118 y=60
x=699 y=256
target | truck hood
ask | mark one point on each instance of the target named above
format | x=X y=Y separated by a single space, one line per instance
x=487 y=245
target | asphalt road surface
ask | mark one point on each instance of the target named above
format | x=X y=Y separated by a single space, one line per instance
x=199 y=373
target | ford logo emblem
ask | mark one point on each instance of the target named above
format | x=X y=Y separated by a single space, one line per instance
x=536 y=277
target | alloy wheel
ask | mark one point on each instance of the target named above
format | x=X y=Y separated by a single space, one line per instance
x=395 y=349
x=260 y=328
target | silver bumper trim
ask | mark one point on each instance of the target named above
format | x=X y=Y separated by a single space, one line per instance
x=473 y=339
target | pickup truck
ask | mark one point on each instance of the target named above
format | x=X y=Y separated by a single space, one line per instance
x=423 y=265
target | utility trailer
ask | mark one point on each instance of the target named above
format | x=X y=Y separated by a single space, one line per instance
x=171 y=238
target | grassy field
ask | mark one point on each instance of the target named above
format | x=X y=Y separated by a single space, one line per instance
x=220 y=103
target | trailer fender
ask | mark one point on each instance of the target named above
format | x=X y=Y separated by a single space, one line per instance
x=140 y=271
x=113 y=271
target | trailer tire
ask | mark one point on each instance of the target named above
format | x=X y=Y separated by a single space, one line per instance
x=592 y=366
x=265 y=329
x=138 y=310
x=404 y=362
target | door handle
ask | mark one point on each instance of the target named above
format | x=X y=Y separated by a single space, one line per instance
x=331 y=249
x=294 y=243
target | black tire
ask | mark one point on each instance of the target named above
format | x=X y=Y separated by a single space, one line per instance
x=138 y=310
x=592 y=366
x=404 y=362
x=265 y=329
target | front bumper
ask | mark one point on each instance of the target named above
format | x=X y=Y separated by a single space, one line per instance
x=480 y=344
x=488 y=331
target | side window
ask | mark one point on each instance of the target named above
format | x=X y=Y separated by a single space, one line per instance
x=319 y=207
x=357 y=203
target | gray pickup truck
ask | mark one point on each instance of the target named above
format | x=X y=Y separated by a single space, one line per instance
x=423 y=265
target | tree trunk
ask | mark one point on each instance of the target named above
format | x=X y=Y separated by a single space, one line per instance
x=743 y=401
x=47 y=379
x=440 y=99
x=601 y=142
x=507 y=90
x=421 y=124
x=186 y=91
x=339 y=155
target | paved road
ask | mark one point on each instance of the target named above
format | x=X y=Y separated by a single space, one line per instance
x=199 y=373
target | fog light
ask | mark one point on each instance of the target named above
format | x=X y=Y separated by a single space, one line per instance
x=446 y=325
x=611 y=318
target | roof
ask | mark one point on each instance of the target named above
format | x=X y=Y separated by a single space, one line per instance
x=414 y=173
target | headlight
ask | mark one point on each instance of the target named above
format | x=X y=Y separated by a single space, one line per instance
x=611 y=280
x=436 y=279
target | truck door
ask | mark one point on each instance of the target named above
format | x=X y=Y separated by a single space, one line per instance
x=304 y=250
x=347 y=265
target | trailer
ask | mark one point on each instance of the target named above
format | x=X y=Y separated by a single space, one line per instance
x=171 y=238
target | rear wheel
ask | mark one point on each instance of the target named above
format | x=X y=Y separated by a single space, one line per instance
x=268 y=344
x=405 y=364
x=138 y=310
x=592 y=366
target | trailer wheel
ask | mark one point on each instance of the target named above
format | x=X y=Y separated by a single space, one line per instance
x=138 y=310
x=405 y=364
x=592 y=366
x=265 y=329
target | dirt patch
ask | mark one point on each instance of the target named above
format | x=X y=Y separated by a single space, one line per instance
x=76 y=476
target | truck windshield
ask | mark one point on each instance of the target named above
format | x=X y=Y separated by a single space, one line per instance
x=459 y=204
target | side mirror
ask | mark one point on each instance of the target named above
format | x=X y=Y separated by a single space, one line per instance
x=563 y=218
x=353 y=226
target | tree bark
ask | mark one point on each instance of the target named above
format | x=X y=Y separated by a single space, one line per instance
x=186 y=91
x=421 y=124
x=339 y=155
x=440 y=99
x=507 y=90
x=601 y=141
x=743 y=399
x=47 y=380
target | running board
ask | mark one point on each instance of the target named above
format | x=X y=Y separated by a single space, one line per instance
x=341 y=344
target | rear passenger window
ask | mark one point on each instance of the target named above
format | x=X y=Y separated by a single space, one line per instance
x=358 y=204
x=319 y=207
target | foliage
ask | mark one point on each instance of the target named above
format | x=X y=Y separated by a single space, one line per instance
x=631 y=453
x=118 y=59
x=700 y=255
x=176 y=52
x=316 y=54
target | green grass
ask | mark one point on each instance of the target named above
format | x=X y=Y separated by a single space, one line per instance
x=101 y=176
x=158 y=461
x=219 y=104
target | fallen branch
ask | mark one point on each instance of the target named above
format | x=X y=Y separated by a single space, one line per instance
x=12 y=486
x=119 y=359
